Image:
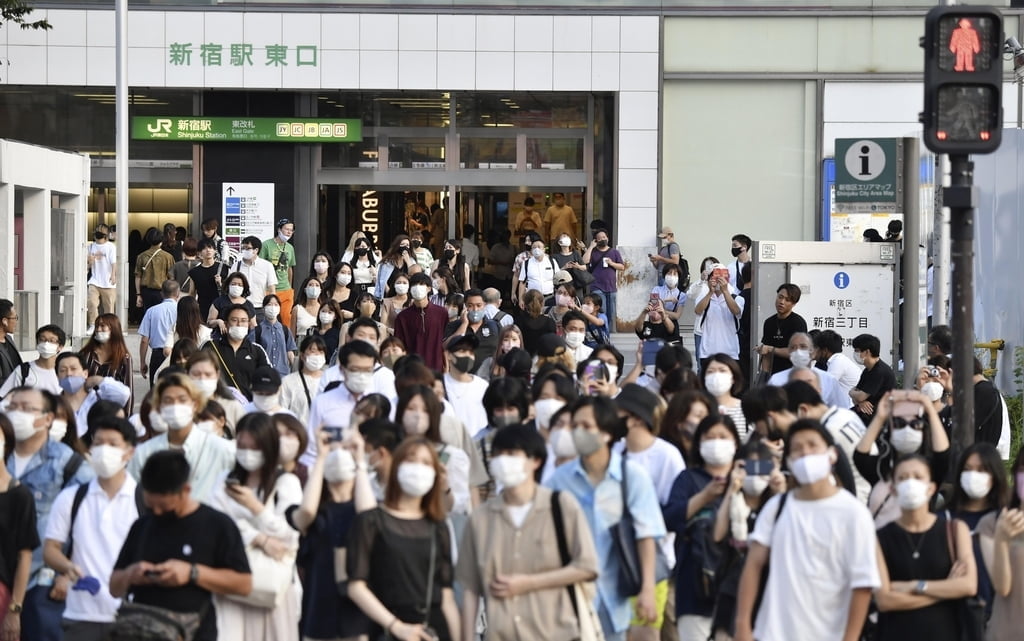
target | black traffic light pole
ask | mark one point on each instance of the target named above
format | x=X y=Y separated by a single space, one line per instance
x=961 y=199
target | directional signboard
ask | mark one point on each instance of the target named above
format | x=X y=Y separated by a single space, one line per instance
x=248 y=210
x=867 y=175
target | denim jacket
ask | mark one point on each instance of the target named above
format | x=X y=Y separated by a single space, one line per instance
x=44 y=477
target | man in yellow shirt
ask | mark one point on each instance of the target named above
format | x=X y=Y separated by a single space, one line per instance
x=528 y=219
x=560 y=219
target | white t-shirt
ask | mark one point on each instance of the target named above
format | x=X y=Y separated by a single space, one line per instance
x=820 y=551
x=663 y=462
x=103 y=265
x=261 y=277
x=845 y=371
x=720 y=326
x=847 y=429
x=37 y=377
x=468 y=401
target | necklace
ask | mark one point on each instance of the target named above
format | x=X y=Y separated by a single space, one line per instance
x=917 y=548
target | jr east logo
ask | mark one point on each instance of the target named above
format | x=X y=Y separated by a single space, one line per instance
x=161 y=128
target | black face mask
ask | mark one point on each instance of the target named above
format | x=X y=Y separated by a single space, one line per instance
x=403 y=248
x=99 y=235
x=361 y=251
x=417 y=243
x=736 y=251
x=602 y=243
x=449 y=254
x=464 y=363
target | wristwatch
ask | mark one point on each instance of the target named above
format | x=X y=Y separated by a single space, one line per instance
x=193 y=576
x=14 y=608
x=921 y=587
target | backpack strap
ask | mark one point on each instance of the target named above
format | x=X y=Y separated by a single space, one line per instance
x=24 y=368
x=71 y=467
x=76 y=503
x=563 y=544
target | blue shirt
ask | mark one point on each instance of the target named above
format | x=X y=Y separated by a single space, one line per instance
x=602 y=505
x=44 y=478
x=158 y=323
x=277 y=341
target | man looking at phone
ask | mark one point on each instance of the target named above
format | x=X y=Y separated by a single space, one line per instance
x=876 y=379
x=718 y=314
x=357 y=359
x=182 y=552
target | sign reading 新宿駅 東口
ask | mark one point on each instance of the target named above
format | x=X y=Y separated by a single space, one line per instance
x=867 y=175
x=230 y=129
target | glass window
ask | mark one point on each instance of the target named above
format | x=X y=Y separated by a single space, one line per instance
x=488 y=153
x=554 y=153
x=416 y=153
x=522 y=110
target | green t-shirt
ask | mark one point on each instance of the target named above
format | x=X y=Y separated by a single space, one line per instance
x=281 y=258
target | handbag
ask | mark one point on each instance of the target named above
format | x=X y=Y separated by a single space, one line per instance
x=386 y=636
x=581 y=598
x=623 y=536
x=271 y=578
x=137 y=622
x=970 y=610
x=581 y=277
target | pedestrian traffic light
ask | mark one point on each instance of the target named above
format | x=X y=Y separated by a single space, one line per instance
x=963 y=77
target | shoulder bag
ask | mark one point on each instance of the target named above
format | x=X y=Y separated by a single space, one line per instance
x=623 y=535
x=270 y=577
x=970 y=610
x=582 y=601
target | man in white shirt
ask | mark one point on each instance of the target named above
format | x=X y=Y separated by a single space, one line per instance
x=266 y=393
x=538 y=272
x=718 y=314
x=93 y=520
x=258 y=271
x=828 y=347
x=492 y=308
x=465 y=391
x=333 y=408
x=103 y=280
x=800 y=356
x=575 y=326
x=820 y=541
x=40 y=373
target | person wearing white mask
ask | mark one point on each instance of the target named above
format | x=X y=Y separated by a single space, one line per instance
x=692 y=503
x=390 y=307
x=238 y=356
x=308 y=298
x=925 y=561
x=321 y=266
x=266 y=393
x=19 y=536
x=561 y=448
x=45 y=467
x=820 y=540
x=801 y=349
x=40 y=373
x=298 y=389
x=71 y=377
x=177 y=400
x=598 y=472
x=421 y=326
x=236 y=292
x=87 y=527
x=281 y=254
x=406 y=537
x=258 y=271
x=257 y=497
x=338 y=488
x=275 y=337
x=723 y=380
x=419 y=414
x=673 y=299
x=538 y=272
x=718 y=314
x=525 y=594
x=205 y=371
x=699 y=288
x=357 y=361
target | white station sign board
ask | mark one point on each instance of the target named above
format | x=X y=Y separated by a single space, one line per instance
x=248 y=210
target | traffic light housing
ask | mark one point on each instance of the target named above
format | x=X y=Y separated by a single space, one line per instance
x=963 y=79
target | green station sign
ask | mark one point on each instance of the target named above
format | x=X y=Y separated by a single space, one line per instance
x=231 y=129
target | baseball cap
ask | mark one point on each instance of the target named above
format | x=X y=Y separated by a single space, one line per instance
x=265 y=380
x=462 y=341
x=638 y=401
x=665 y=231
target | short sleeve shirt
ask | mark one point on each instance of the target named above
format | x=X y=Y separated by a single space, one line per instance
x=281 y=258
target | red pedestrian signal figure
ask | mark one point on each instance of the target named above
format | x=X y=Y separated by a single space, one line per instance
x=965 y=44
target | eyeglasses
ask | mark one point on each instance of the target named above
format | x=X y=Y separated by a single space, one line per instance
x=13 y=407
x=15 y=317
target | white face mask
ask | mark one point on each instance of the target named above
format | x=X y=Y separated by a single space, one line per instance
x=24 y=425
x=205 y=426
x=911 y=494
x=320 y=267
x=250 y=460
x=58 y=429
x=265 y=402
x=671 y=281
x=339 y=466
x=415 y=423
x=106 y=460
x=416 y=479
x=358 y=382
x=418 y=292
x=933 y=390
x=800 y=358
x=270 y=312
x=976 y=485
x=811 y=468
x=585 y=441
x=906 y=440
x=544 y=409
x=177 y=416
x=238 y=332
x=718 y=383
x=313 y=293
x=564 y=241
x=343 y=279
x=509 y=471
x=157 y=422
x=857 y=357
x=574 y=339
x=47 y=349
x=401 y=288
x=206 y=386
x=537 y=252
x=755 y=485
x=247 y=254
x=327 y=318
x=288 y=449
x=315 y=362
x=717 y=451
x=562 y=443
x=101 y=337
x=613 y=372
x=235 y=291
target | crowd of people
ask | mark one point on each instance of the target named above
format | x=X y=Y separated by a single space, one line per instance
x=384 y=449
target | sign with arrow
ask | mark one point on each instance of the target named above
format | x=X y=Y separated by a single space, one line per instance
x=247 y=210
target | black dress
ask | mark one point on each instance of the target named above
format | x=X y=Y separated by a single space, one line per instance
x=937 y=622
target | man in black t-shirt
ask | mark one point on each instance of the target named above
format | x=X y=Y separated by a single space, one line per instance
x=876 y=379
x=10 y=359
x=181 y=552
x=780 y=327
x=208 y=276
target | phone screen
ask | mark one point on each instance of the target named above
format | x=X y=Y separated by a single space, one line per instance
x=334 y=434
x=758 y=467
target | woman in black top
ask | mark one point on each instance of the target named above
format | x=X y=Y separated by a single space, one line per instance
x=18 y=537
x=925 y=563
x=394 y=548
x=533 y=321
x=916 y=432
